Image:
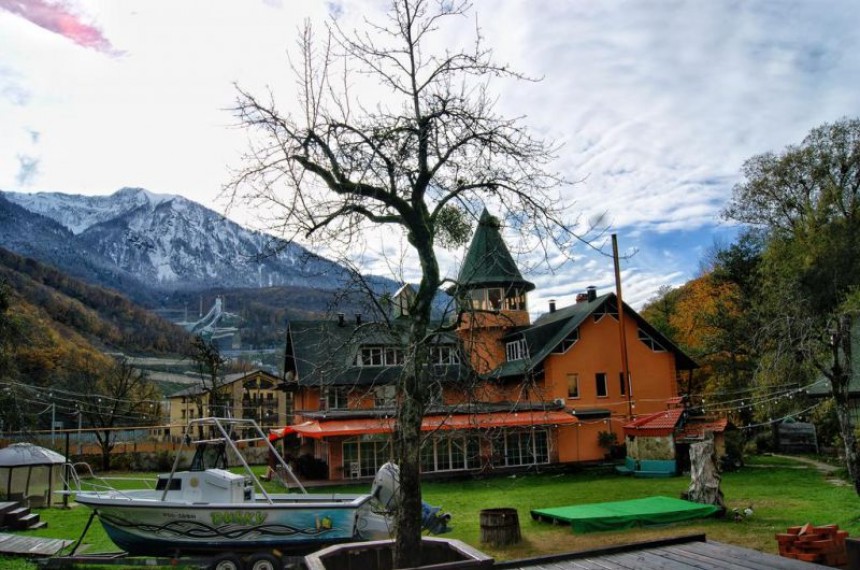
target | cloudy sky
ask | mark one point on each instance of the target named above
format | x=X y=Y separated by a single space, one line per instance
x=658 y=103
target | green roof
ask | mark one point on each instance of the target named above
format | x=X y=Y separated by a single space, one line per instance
x=548 y=331
x=488 y=262
x=323 y=353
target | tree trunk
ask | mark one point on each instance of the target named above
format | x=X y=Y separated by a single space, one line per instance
x=106 y=458
x=407 y=549
x=413 y=400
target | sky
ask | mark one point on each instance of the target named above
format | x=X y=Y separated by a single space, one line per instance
x=657 y=104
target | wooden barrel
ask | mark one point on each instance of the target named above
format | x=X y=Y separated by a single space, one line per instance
x=500 y=527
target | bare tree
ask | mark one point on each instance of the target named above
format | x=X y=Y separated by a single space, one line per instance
x=210 y=367
x=112 y=397
x=421 y=161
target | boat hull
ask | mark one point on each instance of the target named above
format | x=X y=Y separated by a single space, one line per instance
x=150 y=527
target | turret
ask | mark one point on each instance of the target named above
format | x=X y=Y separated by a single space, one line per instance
x=491 y=295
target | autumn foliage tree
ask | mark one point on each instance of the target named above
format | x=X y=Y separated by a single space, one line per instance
x=806 y=201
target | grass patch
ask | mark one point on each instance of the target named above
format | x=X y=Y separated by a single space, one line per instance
x=782 y=493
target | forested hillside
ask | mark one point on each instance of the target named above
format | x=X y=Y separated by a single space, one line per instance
x=73 y=308
x=58 y=337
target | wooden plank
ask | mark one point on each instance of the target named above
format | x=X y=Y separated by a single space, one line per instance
x=695 y=559
x=648 y=559
x=578 y=556
x=606 y=563
x=728 y=556
x=739 y=553
x=31 y=545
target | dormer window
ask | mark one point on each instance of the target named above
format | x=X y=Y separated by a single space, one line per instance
x=517 y=350
x=650 y=342
x=444 y=354
x=369 y=356
x=567 y=342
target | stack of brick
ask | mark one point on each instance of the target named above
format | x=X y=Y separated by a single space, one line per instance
x=821 y=544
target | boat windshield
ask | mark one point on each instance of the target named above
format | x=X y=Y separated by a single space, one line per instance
x=209 y=455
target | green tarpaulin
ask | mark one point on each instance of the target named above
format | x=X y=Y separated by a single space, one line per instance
x=625 y=514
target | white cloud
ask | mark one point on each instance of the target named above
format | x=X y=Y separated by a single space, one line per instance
x=658 y=103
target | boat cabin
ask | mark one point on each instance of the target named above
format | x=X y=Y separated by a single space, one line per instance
x=210 y=486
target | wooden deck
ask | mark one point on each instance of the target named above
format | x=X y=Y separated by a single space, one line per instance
x=684 y=553
x=31 y=545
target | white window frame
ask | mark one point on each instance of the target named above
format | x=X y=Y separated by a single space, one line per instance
x=444 y=354
x=517 y=350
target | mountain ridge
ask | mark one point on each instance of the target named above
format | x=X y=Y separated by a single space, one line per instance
x=163 y=243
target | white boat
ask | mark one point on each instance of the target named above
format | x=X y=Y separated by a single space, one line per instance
x=210 y=509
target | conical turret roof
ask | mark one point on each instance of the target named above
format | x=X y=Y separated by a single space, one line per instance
x=488 y=262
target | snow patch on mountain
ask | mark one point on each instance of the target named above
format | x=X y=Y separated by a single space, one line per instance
x=77 y=212
x=169 y=242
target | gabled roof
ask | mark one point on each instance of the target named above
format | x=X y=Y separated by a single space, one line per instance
x=675 y=421
x=323 y=352
x=488 y=262
x=226 y=380
x=547 y=332
x=656 y=425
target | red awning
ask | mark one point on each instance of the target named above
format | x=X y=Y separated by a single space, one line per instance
x=364 y=426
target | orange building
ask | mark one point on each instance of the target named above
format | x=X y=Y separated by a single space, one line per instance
x=508 y=393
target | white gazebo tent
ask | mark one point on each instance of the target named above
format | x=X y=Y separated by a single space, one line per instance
x=32 y=473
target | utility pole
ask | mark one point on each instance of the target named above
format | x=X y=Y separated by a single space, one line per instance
x=625 y=365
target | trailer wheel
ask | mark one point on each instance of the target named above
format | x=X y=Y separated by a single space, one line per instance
x=226 y=562
x=264 y=561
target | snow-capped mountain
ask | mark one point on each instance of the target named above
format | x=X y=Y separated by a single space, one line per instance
x=166 y=243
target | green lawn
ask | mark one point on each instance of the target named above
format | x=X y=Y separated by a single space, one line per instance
x=782 y=493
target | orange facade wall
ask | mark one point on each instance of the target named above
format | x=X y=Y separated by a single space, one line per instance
x=598 y=351
x=481 y=335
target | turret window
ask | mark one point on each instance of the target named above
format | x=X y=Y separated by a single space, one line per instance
x=495 y=299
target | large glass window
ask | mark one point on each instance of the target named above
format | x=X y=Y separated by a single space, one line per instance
x=450 y=453
x=522 y=447
x=363 y=457
x=337 y=397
